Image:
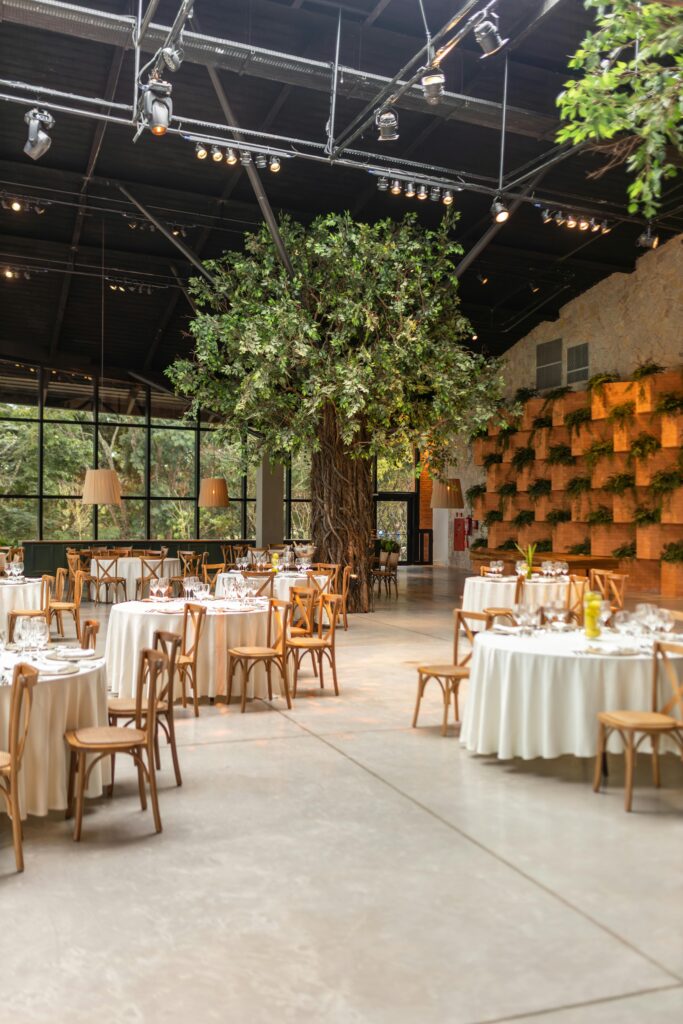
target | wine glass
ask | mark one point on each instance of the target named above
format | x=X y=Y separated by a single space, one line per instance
x=19 y=569
x=162 y=586
x=41 y=634
x=605 y=613
x=622 y=623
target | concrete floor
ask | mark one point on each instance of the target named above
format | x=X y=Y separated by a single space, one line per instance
x=330 y=864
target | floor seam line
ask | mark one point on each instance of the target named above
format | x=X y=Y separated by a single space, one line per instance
x=577 y=1006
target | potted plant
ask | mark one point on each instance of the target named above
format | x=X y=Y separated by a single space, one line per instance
x=625 y=427
x=672 y=569
x=497 y=474
x=652 y=385
x=540 y=496
x=543 y=545
x=479 y=544
x=606 y=390
x=622 y=487
x=527 y=554
x=669 y=409
x=519 y=441
x=505 y=493
x=532 y=408
x=650 y=458
x=481 y=447
x=667 y=488
x=567 y=403
x=474 y=496
x=558 y=515
x=651 y=535
x=523 y=518
x=584 y=548
x=579 y=489
x=597 y=456
x=562 y=465
x=498 y=533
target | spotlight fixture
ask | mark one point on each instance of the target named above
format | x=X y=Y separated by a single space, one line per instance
x=409 y=190
x=571 y=220
x=261 y=161
x=560 y=218
x=482 y=278
x=422 y=192
x=230 y=156
x=435 y=193
x=39 y=122
x=132 y=224
x=16 y=205
x=447 y=198
x=216 y=154
x=382 y=184
x=201 y=152
x=595 y=225
x=274 y=165
x=584 y=224
x=475 y=337
x=157 y=105
x=395 y=187
x=245 y=157
x=534 y=287
x=9 y=273
x=499 y=211
x=387 y=125
x=605 y=228
x=178 y=230
x=488 y=37
x=432 y=83
x=546 y=216
x=648 y=240
x=40 y=209
x=173 y=57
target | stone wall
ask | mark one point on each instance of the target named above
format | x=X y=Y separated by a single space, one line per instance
x=625 y=318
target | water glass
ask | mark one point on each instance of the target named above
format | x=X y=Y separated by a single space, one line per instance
x=154 y=589
x=605 y=613
x=41 y=634
x=622 y=623
x=163 y=586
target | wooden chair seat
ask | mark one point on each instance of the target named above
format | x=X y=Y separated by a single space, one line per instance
x=5 y=762
x=28 y=613
x=122 y=707
x=111 y=736
x=253 y=652
x=309 y=643
x=647 y=721
x=448 y=671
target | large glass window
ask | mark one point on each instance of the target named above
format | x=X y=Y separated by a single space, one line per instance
x=297 y=524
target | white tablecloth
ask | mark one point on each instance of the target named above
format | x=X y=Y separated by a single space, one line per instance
x=59 y=703
x=132 y=626
x=486 y=592
x=18 y=595
x=536 y=696
x=131 y=570
x=282 y=583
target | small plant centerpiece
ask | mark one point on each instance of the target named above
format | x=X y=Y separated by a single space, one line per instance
x=389 y=545
x=527 y=554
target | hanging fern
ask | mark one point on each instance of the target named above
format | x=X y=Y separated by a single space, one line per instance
x=505 y=434
x=524 y=394
x=600 y=516
x=597 y=451
x=597 y=382
x=508 y=545
x=542 y=422
x=669 y=404
x=492 y=459
x=493 y=516
x=644 y=516
x=523 y=518
x=666 y=481
x=625 y=551
x=560 y=455
x=474 y=492
x=558 y=515
x=581 y=549
x=622 y=414
x=544 y=545
x=539 y=489
x=648 y=368
x=556 y=393
x=673 y=552
x=480 y=542
x=576 y=419
x=523 y=457
x=508 y=489
x=578 y=485
x=644 y=445
x=620 y=483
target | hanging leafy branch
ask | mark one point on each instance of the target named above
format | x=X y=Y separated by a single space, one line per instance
x=629 y=98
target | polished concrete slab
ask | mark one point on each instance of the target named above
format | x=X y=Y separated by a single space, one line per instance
x=330 y=863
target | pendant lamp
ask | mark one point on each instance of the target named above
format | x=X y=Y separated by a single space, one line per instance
x=447 y=494
x=213 y=493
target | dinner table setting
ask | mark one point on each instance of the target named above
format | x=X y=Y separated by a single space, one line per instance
x=536 y=686
x=131 y=570
x=17 y=591
x=286 y=576
x=495 y=589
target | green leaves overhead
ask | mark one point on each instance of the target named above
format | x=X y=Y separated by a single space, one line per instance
x=370 y=324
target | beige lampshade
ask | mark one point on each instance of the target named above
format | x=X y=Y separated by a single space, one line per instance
x=447 y=494
x=213 y=492
x=101 y=487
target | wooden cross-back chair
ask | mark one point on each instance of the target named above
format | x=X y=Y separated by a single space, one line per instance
x=24 y=678
x=91 y=628
x=211 y=571
x=330 y=569
x=266 y=576
x=46 y=585
x=322 y=646
x=194 y=616
x=121 y=710
x=76 y=564
x=274 y=653
x=72 y=607
x=506 y=614
x=450 y=676
x=107 y=575
x=108 y=740
x=665 y=719
x=346 y=585
x=326 y=574
x=611 y=585
x=151 y=570
x=190 y=565
x=576 y=589
x=253 y=552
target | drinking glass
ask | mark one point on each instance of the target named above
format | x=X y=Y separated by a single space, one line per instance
x=41 y=634
x=605 y=613
x=19 y=568
x=622 y=623
x=163 y=586
x=154 y=589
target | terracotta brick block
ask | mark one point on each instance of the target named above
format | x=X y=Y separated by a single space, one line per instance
x=606 y=537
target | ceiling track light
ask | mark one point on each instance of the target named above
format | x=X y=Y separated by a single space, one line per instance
x=245 y=157
x=499 y=211
x=216 y=154
x=274 y=164
x=435 y=193
x=387 y=125
x=409 y=190
x=230 y=156
x=488 y=37
x=534 y=287
x=156 y=105
x=546 y=216
x=648 y=239
x=594 y=224
x=560 y=219
x=201 y=151
x=39 y=122
x=382 y=184
x=173 y=57
x=396 y=187
x=447 y=197
x=433 y=82
x=583 y=223
x=422 y=192
x=571 y=220
x=261 y=161
x=482 y=278
x=605 y=228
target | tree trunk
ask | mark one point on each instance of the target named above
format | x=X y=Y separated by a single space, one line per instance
x=341 y=508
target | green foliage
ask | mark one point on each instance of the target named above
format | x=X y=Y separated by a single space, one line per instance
x=578 y=485
x=523 y=457
x=669 y=404
x=492 y=459
x=600 y=516
x=544 y=545
x=558 y=515
x=391 y=546
x=541 y=422
x=619 y=483
x=597 y=382
x=560 y=455
x=598 y=450
x=622 y=414
x=666 y=481
x=474 y=492
x=480 y=542
x=644 y=445
x=625 y=550
x=648 y=368
x=627 y=98
x=555 y=393
x=673 y=552
x=581 y=549
x=493 y=516
x=369 y=325
x=523 y=518
x=508 y=545
x=539 y=489
x=523 y=395
x=507 y=490
x=576 y=419
x=505 y=433
x=644 y=516
x=527 y=554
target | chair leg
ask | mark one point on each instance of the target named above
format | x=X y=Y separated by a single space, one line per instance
x=141 y=779
x=80 y=796
x=597 y=774
x=630 y=764
x=446 y=706
x=77 y=623
x=245 y=680
x=285 y=681
x=268 y=677
x=170 y=721
x=334 y=670
x=455 y=686
x=195 y=694
x=113 y=770
x=16 y=822
x=229 y=672
x=181 y=677
x=296 y=674
x=154 y=795
x=656 y=778
x=421 y=683
x=70 y=791
x=157 y=752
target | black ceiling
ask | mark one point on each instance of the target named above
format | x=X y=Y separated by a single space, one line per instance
x=54 y=317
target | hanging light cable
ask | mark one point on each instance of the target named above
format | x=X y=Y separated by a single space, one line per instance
x=499 y=210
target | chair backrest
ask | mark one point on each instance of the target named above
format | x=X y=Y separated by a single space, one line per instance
x=150 y=570
x=169 y=643
x=46 y=584
x=137 y=552
x=17 y=554
x=151 y=669
x=303 y=600
x=107 y=569
x=124 y=552
x=211 y=571
x=383 y=557
x=193 y=623
x=79 y=580
x=484 y=570
x=500 y=613
x=267 y=576
x=278 y=621
x=616 y=589
x=60 y=583
x=330 y=607
x=392 y=561
x=24 y=679
x=164 y=551
x=189 y=562
x=330 y=569
x=325 y=586
x=576 y=588
x=227 y=553
x=253 y=552
x=346 y=583
x=73 y=560
x=91 y=628
x=463 y=620
x=662 y=652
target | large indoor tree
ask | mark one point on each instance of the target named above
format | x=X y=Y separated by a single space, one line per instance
x=362 y=351
x=627 y=100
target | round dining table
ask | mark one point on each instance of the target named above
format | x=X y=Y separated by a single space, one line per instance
x=282 y=583
x=75 y=700
x=20 y=594
x=227 y=624
x=131 y=570
x=539 y=695
x=499 y=592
